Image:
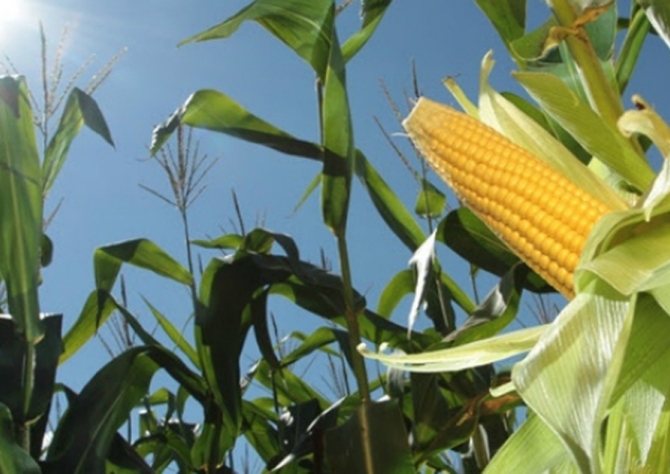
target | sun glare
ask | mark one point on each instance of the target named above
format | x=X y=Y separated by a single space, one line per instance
x=12 y=12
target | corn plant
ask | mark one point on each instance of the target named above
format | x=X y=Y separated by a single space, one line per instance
x=31 y=340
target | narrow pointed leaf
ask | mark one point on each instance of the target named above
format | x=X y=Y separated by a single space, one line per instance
x=96 y=309
x=215 y=111
x=80 y=110
x=174 y=334
x=338 y=158
x=141 y=253
x=469 y=355
x=373 y=12
x=390 y=208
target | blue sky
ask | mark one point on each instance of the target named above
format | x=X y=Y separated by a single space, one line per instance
x=102 y=202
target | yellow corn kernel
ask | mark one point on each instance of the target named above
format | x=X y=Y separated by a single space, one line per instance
x=542 y=216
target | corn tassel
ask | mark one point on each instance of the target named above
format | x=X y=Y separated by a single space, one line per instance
x=541 y=216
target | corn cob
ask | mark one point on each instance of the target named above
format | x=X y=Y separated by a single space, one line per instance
x=541 y=216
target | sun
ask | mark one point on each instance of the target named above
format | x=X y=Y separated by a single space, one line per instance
x=11 y=11
x=13 y=14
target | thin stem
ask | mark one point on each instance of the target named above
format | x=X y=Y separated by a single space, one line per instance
x=351 y=316
x=480 y=447
x=28 y=379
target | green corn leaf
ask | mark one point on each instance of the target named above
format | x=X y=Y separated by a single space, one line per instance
x=174 y=334
x=508 y=17
x=141 y=253
x=215 y=111
x=391 y=209
x=565 y=378
x=20 y=207
x=338 y=143
x=86 y=431
x=95 y=311
x=305 y=26
x=373 y=12
x=80 y=110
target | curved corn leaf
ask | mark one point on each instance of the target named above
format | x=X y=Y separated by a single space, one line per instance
x=215 y=111
x=372 y=12
x=141 y=253
x=80 y=110
x=20 y=207
x=402 y=284
x=97 y=308
x=303 y=25
x=469 y=355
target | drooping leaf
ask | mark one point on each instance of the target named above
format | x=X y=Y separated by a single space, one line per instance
x=20 y=207
x=226 y=289
x=215 y=111
x=303 y=25
x=80 y=109
x=473 y=354
x=95 y=311
x=141 y=253
x=402 y=284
